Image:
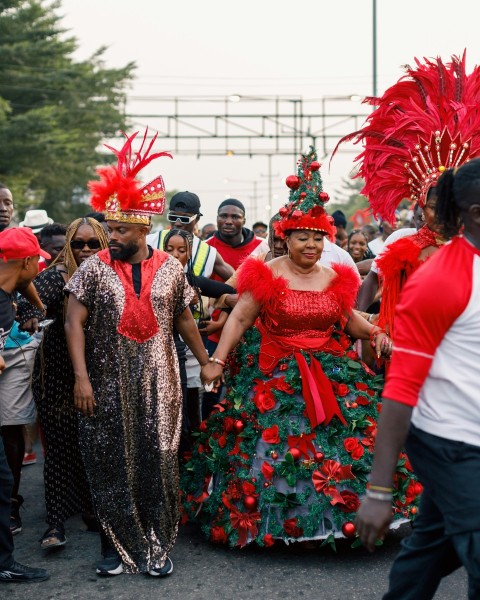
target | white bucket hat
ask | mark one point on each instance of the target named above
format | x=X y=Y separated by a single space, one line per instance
x=36 y=219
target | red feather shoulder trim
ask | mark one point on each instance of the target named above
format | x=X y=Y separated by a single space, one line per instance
x=255 y=277
x=345 y=286
x=396 y=264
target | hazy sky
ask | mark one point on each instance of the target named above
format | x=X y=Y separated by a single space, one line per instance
x=310 y=49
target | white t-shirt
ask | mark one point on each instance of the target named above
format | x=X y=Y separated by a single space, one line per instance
x=334 y=254
x=377 y=245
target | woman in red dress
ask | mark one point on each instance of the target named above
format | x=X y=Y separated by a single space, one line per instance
x=288 y=453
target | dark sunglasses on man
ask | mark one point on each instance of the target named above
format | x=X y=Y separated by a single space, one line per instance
x=80 y=244
x=173 y=218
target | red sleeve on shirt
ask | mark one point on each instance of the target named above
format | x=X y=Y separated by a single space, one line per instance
x=432 y=299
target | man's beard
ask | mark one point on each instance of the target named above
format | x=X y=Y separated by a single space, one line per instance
x=123 y=251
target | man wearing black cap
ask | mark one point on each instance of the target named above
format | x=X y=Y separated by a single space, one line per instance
x=184 y=213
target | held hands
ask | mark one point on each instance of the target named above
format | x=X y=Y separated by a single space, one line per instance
x=381 y=342
x=83 y=396
x=212 y=373
x=372 y=521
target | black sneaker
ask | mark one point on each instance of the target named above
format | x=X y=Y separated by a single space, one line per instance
x=111 y=563
x=17 y=573
x=163 y=571
x=15 y=520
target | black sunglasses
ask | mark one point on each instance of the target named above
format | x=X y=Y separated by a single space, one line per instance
x=80 y=245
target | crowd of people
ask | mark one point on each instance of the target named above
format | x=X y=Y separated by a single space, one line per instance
x=234 y=376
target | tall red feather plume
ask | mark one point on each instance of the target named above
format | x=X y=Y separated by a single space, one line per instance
x=120 y=181
x=433 y=107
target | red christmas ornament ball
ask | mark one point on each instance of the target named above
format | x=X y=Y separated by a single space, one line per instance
x=315 y=165
x=274 y=455
x=239 y=425
x=250 y=502
x=292 y=182
x=324 y=196
x=295 y=452
x=303 y=195
x=266 y=484
x=319 y=456
x=348 y=529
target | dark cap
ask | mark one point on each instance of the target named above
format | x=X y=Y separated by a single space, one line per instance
x=186 y=202
x=339 y=219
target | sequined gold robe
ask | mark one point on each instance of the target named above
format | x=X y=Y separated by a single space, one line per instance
x=130 y=444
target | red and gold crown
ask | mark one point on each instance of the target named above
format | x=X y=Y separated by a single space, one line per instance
x=305 y=208
x=119 y=194
x=427 y=122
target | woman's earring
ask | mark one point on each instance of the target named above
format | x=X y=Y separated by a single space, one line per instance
x=288 y=254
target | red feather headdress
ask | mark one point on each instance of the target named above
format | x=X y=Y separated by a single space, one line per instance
x=427 y=122
x=119 y=194
x=305 y=209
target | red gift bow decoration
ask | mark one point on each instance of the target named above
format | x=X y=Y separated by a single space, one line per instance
x=331 y=473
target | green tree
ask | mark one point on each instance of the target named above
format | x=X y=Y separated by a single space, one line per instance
x=349 y=199
x=54 y=111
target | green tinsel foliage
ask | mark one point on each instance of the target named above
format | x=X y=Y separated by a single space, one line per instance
x=223 y=474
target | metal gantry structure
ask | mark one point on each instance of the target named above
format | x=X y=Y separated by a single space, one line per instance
x=249 y=125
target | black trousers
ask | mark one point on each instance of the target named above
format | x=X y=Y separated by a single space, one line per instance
x=446 y=533
x=6 y=487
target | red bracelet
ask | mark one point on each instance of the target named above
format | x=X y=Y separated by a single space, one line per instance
x=373 y=334
x=217 y=360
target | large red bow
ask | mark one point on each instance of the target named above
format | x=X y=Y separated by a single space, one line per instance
x=244 y=523
x=331 y=473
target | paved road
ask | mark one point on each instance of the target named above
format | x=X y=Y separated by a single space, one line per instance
x=204 y=571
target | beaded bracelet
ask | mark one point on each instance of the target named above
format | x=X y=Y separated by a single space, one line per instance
x=381 y=496
x=217 y=360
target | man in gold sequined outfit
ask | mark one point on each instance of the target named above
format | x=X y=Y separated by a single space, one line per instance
x=123 y=304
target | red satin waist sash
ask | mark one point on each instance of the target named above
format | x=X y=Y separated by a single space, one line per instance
x=317 y=391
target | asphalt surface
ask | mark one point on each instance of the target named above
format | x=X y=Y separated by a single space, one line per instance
x=203 y=571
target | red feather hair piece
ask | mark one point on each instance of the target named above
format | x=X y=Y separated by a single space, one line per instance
x=427 y=122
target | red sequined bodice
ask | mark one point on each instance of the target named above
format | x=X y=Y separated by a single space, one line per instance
x=311 y=314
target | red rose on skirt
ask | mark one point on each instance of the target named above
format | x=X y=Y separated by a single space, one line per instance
x=353 y=447
x=291 y=528
x=264 y=401
x=351 y=502
x=363 y=387
x=267 y=470
x=222 y=441
x=271 y=435
x=342 y=390
x=218 y=535
x=280 y=384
